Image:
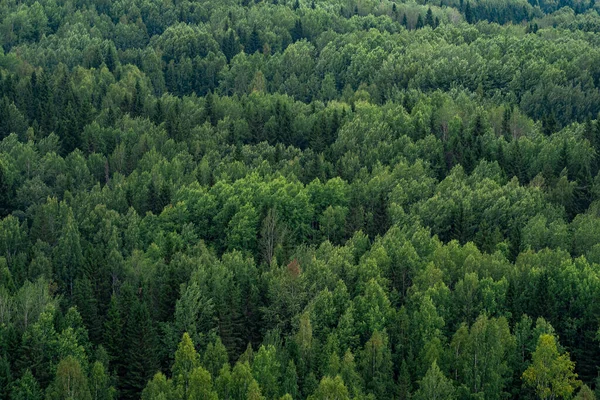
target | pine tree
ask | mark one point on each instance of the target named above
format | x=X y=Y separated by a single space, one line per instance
x=230 y=45
x=419 y=22
x=5 y=377
x=164 y=196
x=506 y=116
x=549 y=124
x=404 y=381
x=209 y=112
x=200 y=387
x=376 y=365
x=26 y=388
x=111 y=59
x=331 y=388
x=435 y=386
x=86 y=303
x=215 y=357
x=254 y=43
x=152 y=200
x=265 y=370
x=289 y=383
x=158 y=112
x=137 y=103
x=5 y=191
x=140 y=349
x=99 y=383
x=186 y=361
x=429 y=21
x=468 y=13
x=297 y=31
x=68 y=257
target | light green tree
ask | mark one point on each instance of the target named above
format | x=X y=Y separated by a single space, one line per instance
x=435 y=386
x=551 y=374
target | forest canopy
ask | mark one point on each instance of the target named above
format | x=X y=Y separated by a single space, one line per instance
x=299 y=199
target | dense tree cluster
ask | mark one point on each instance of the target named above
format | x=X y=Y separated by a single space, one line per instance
x=293 y=199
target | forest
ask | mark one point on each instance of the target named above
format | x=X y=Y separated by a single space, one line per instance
x=299 y=199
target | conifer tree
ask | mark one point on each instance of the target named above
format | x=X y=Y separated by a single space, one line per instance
x=429 y=21
x=140 y=360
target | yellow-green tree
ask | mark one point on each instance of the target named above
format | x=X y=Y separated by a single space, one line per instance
x=551 y=374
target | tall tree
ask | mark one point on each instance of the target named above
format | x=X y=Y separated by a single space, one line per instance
x=186 y=361
x=140 y=351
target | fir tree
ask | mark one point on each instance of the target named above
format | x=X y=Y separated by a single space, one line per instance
x=429 y=21
x=254 y=43
x=140 y=352
x=468 y=13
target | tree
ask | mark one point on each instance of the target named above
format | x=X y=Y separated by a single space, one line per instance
x=435 y=386
x=254 y=392
x=186 y=361
x=5 y=376
x=26 y=388
x=230 y=45
x=254 y=42
x=265 y=369
x=550 y=374
x=5 y=191
x=40 y=347
x=241 y=382
x=242 y=230
x=289 y=384
x=331 y=389
x=297 y=31
x=99 y=383
x=420 y=23
x=84 y=299
x=468 y=13
x=200 y=386
x=429 y=18
x=585 y=393
x=68 y=256
x=113 y=332
x=159 y=388
x=376 y=365
x=215 y=357
x=272 y=235
x=70 y=382
x=140 y=360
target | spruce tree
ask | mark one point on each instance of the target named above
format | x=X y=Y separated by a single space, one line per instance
x=468 y=13
x=254 y=42
x=429 y=18
x=140 y=352
x=186 y=361
x=113 y=334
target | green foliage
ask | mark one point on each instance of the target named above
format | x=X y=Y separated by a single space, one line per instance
x=435 y=385
x=551 y=373
x=384 y=199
